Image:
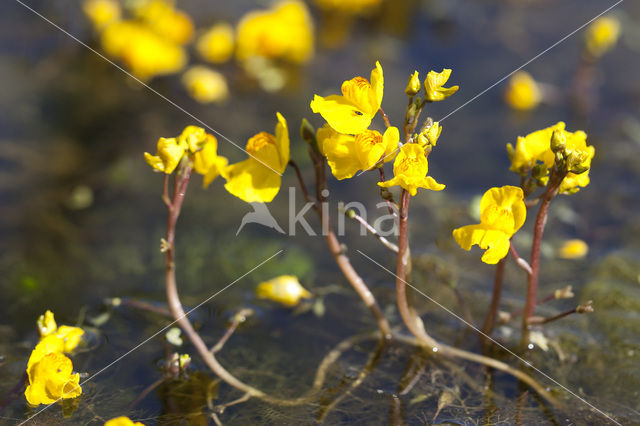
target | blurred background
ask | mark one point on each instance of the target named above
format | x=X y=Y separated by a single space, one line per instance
x=81 y=216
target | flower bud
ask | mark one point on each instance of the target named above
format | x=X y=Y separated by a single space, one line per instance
x=558 y=141
x=413 y=85
x=430 y=136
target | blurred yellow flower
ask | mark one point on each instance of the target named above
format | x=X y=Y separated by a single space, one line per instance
x=216 y=44
x=51 y=378
x=205 y=85
x=122 y=421
x=258 y=178
x=522 y=92
x=433 y=89
x=350 y=7
x=102 y=12
x=535 y=148
x=410 y=170
x=431 y=135
x=347 y=154
x=503 y=212
x=285 y=289
x=165 y=20
x=601 y=36
x=285 y=31
x=69 y=337
x=352 y=112
x=573 y=249
x=142 y=50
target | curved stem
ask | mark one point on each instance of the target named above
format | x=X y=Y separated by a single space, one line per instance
x=490 y=320
x=416 y=326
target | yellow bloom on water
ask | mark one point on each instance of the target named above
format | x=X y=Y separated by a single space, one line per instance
x=258 y=178
x=142 y=50
x=433 y=89
x=535 y=148
x=69 y=337
x=283 y=32
x=410 y=170
x=503 y=212
x=347 y=154
x=102 y=12
x=285 y=289
x=205 y=85
x=164 y=19
x=352 y=112
x=522 y=92
x=122 y=421
x=573 y=249
x=51 y=378
x=216 y=44
x=601 y=36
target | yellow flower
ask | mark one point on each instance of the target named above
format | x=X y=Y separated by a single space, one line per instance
x=353 y=111
x=413 y=85
x=122 y=421
x=283 y=32
x=350 y=7
x=285 y=289
x=433 y=86
x=193 y=141
x=161 y=17
x=535 y=148
x=503 y=212
x=69 y=337
x=431 y=135
x=51 y=378
x=522 y=92
x=258 y=178
x=46 y=345
x=573 y=249
x=142 y=50
x=170 y=153
x=216 y=44
x=601 y=36
x=348 y=154
x=205 y=85
x=410 y=170
x=102 y=12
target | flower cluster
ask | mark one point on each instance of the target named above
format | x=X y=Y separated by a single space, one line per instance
x=50 y=372
x=256 y=179
x=537 y=153
x=150 y=42
x=349 y=145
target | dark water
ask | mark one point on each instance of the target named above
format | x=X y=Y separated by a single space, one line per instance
x=69 y=122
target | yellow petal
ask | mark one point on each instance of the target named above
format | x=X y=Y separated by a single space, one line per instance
x=214 y=171
x=496 y=242
x=522 y=92
x=509 y=199
x=171 y=153
x=433 y=86
x=340 y=152
x=217 y=43
x=282 y=142
x=342 y=115
x=154 y=161
x=377 y=88
x=390 y=140
x=369 y=148
x=251 y=181
x=573 y=249
x=71 y=336
x=285 y=289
